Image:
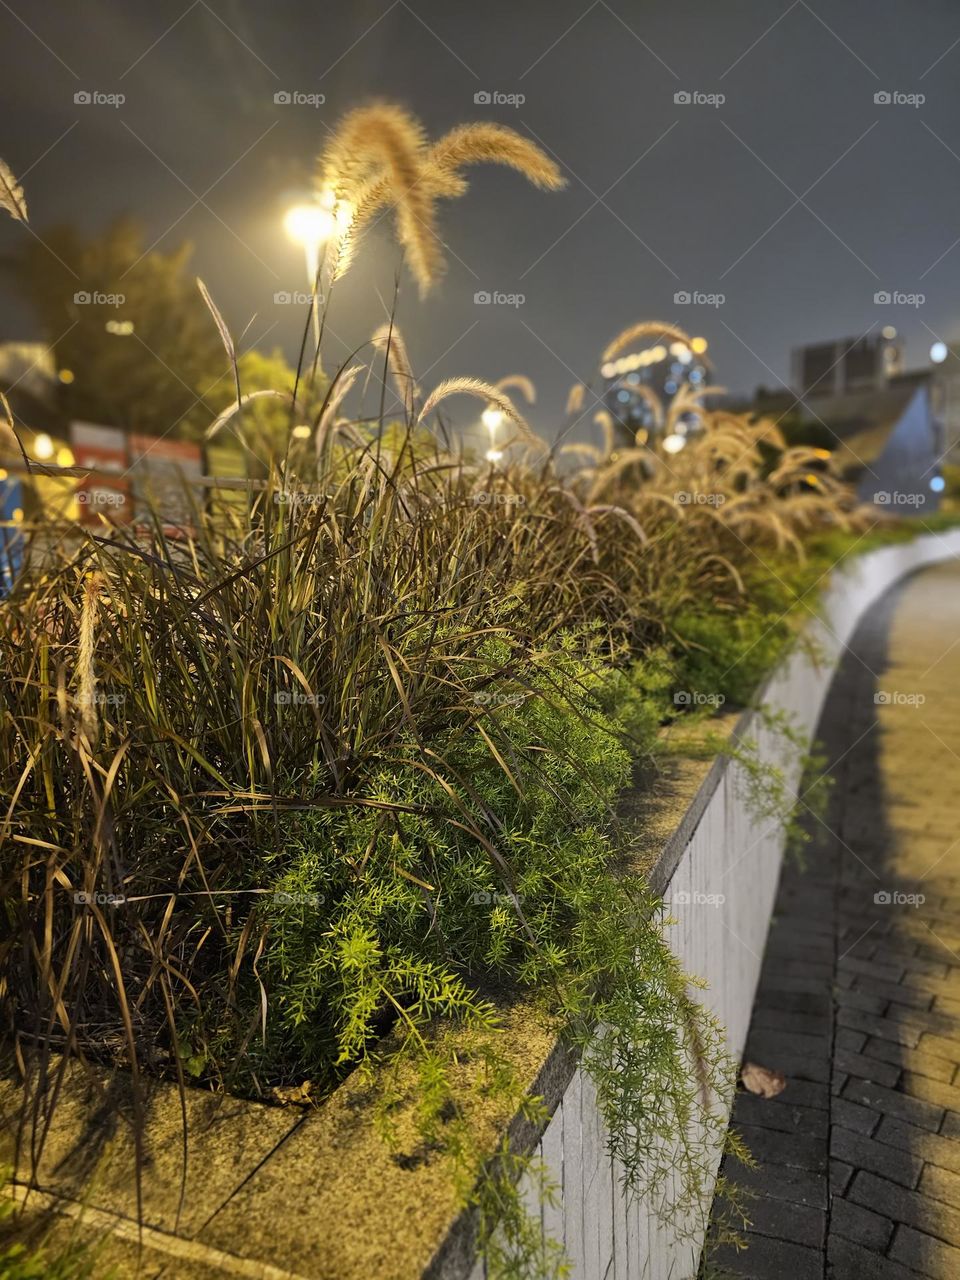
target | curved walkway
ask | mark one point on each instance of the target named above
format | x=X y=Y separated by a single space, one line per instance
x=859 y=999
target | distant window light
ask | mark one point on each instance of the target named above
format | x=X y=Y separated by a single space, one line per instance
x=939 y=352
x=938 y=484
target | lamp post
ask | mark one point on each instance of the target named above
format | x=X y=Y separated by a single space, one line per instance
x=310 y=225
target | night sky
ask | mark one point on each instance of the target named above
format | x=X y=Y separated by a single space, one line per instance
x=798 y=199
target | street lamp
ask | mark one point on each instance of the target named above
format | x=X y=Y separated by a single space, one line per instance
x=492 y=419
x=310 y=225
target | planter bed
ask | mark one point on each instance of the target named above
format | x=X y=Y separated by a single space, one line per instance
x=315 y=1193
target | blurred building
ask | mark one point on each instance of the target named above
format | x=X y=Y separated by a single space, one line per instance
x=884 y=425
x=847 y=364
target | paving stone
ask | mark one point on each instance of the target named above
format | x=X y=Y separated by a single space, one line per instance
x=800 y=983
x=849 y=1261
x=870 y=969
x=852 y=1116
x=840 y=1175
x=911 y=1207
x=893 y=1103
x=772 y=1113
x=896 y=1163
x=882 y=1028
x=929 y=1256
x=918 y=1142
x=797 y=1223
x=864 y=1226
x=805 y=1093
x=780 y=1182
x=936 y=1091
x=816 y=1002
x=898 y=993
x=762 y=1042
x=923 y=1064
x=848 y=1039
x=766 y=1259
x=854 y=999
x=940 y=1047
x=798 y=1151
x=811 y=1024
x=867 y=1067
x=940 y=1184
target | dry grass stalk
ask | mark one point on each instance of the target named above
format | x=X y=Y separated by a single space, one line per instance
x=86 y=671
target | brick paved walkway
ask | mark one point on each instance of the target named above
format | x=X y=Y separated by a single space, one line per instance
x=859 y=999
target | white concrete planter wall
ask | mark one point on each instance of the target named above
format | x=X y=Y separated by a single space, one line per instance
x=718 y=849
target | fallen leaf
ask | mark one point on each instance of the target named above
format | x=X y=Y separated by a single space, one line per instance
x=297 y=1095
x=762 y=1080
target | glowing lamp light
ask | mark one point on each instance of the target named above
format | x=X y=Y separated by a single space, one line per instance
x=301 y=432
x=938 y=484
x=939 y=352
x=673 y=443
x=66 y=376
x=609 y=369
x=699 y=345
x=889 y=332
x=43 y=446
x=65 y=457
